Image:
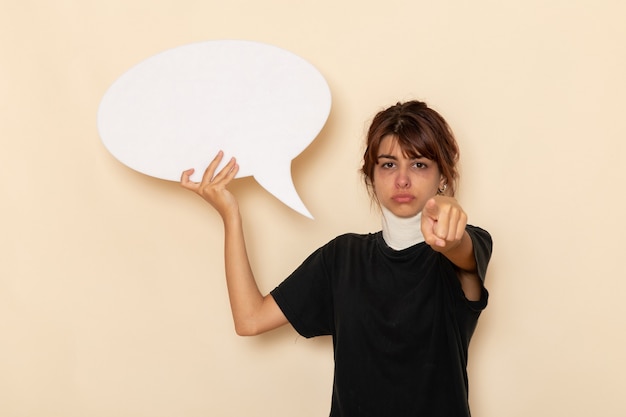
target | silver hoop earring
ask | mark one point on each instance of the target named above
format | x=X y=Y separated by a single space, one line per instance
x=442 y=189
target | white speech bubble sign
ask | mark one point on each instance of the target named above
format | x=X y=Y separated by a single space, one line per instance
x=177 y=109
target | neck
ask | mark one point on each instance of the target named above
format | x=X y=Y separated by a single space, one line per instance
x=401 y=232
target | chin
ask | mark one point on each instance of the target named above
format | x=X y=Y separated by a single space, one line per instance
x=405 y=212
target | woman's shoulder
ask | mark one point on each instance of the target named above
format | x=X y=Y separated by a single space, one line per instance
x=351 y=242
x=355 y=238
x=479 y=234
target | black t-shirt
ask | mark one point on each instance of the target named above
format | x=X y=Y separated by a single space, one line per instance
x=400 y=323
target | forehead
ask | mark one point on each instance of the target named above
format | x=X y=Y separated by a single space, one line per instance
x=391 y=145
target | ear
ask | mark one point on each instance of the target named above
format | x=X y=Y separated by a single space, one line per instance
x=443 y=185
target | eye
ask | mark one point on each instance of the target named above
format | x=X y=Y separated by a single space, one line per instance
x=420 y=165
x=387 y=165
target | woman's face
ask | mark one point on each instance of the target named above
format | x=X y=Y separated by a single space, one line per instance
x=403 y=184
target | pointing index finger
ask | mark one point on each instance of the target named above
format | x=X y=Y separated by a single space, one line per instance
x=431 y=209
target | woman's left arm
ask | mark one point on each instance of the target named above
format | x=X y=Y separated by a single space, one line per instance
x=443 y=227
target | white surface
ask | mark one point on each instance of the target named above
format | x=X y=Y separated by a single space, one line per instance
x=256 y=102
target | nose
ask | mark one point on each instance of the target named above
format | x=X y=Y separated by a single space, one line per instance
x=402 y=179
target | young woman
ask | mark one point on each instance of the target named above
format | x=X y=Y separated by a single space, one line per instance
x=400 y=304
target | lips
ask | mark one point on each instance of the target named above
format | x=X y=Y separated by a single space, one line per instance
x=403 y=198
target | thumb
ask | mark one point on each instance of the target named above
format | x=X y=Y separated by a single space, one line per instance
x=184 y=179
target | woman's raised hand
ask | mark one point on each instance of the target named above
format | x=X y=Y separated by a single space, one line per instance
x=443 y=223
x=212 y=188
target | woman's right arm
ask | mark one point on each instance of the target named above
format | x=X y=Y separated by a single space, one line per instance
x=252 y=312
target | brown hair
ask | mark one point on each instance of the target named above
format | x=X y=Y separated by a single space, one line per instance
x=419 y=130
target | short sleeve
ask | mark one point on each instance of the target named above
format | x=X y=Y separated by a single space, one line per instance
x=483 y=246
x=305 y=297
